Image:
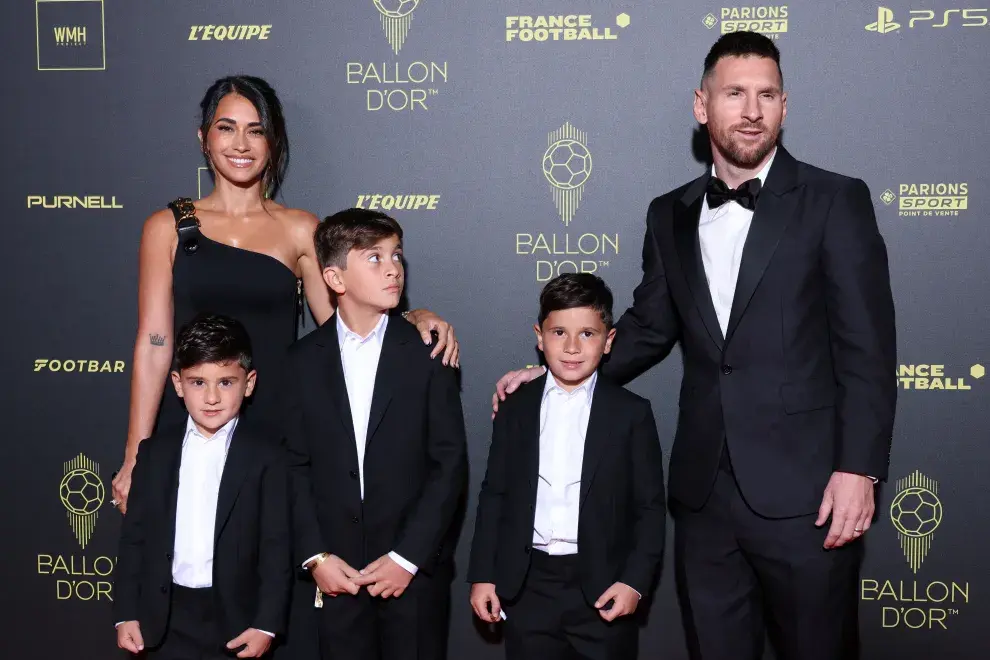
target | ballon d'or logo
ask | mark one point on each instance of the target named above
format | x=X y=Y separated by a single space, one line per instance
x=567 y=166
x=396 y=19
x=916 y=513
x=82 y=492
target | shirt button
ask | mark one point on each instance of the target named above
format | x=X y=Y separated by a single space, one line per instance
x=726 y=369
x=169 y=556
x=354 y=474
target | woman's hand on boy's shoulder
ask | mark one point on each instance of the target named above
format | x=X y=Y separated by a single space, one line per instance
x=512 y=381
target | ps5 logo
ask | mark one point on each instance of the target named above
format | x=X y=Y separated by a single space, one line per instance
x=885 y=23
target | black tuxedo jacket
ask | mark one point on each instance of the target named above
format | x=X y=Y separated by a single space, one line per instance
x=252 y=569
x=622 y=511
x=415 y=460
x=803 y=382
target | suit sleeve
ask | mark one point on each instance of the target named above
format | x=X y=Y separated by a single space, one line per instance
x=306 y=535
x=430 y=518
x=649 y=529
x=860 y=312
x=130 y=554
x=274 y=548
x=481 y=567
x=647 y=331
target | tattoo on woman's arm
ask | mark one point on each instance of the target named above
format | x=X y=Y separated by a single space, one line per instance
x=157 y=340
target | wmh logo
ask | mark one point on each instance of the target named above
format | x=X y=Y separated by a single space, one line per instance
x=70 y=36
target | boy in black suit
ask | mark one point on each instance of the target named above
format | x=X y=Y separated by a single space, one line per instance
x=204 y=566
x=570 y=525
x=377 y=436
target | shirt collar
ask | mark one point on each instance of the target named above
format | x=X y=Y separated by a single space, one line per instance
x=762 y=175
x=224 y=433
x=587 y=388
x=344 y=333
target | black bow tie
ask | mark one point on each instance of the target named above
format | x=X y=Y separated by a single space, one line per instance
x=745 y=195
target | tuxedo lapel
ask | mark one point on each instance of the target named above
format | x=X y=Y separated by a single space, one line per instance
x=529 y=430
x=235 y=470
x=335 y=383
x=774 y=210
x=172 y=463
x=389 y=363
x=687 y=214
x=596 y=439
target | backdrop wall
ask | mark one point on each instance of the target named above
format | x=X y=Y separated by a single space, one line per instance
x=447 y=114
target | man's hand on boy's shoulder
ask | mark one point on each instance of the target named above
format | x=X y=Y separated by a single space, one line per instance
x=484 y=602
x=254 y=641
x=624 y=599
x=129 y=637
x=384 y=577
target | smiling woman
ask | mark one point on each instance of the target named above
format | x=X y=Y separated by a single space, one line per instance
x=235 y=252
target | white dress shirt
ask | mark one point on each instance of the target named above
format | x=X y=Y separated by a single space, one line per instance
x=200 y=471
x=722 y=233
x=563 y=426
x=359 y=357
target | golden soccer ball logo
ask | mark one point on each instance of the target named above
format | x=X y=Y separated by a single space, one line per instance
x=396 y=8
x=82 y=494
x=567 y=167
x=567 y=164
x=916 y=513
x=396 y=19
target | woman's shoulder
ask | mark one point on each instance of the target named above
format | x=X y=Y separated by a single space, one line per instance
x=160 y=224
x=298 y=223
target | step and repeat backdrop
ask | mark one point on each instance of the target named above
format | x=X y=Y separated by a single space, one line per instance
x=514 y=140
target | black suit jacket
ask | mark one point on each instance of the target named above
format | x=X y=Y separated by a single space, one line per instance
x=803 y=382
x=415 y=460
x=621 y=519
x=252 y=569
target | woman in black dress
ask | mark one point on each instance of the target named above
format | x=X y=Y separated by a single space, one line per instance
x=234 y=252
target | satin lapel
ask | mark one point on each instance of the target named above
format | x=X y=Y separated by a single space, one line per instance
x=597 y=437
x=388 y=363
x=774 y=210
x=335 y=382
x=688 y=246
x=529 y=430
x=235 y=470
x=172 y=478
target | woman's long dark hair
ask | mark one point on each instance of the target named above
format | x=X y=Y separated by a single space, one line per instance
x=264 y=99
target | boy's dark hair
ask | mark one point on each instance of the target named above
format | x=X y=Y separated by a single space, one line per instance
x=353 y=229
x=212 y=338
x=741 y=44
x=572 y=290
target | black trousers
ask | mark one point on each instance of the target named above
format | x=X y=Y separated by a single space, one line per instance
x=742 y=577
x=193 y=629
x=552 y=620
x=411 y=627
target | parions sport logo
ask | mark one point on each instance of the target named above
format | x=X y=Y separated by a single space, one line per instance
x=769 y=20
x=396 y=86
x=928 y=199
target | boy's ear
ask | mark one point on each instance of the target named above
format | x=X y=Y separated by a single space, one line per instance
x=539 y=336
x=333 y=276
x=177 y=383
x=252 y=378
x=609 y=338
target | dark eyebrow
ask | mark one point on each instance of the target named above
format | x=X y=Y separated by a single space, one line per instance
x=228 y=120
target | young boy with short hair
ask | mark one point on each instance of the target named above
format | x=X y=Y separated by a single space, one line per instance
x=204 y=567
x=377 y=436
x=569 y=531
